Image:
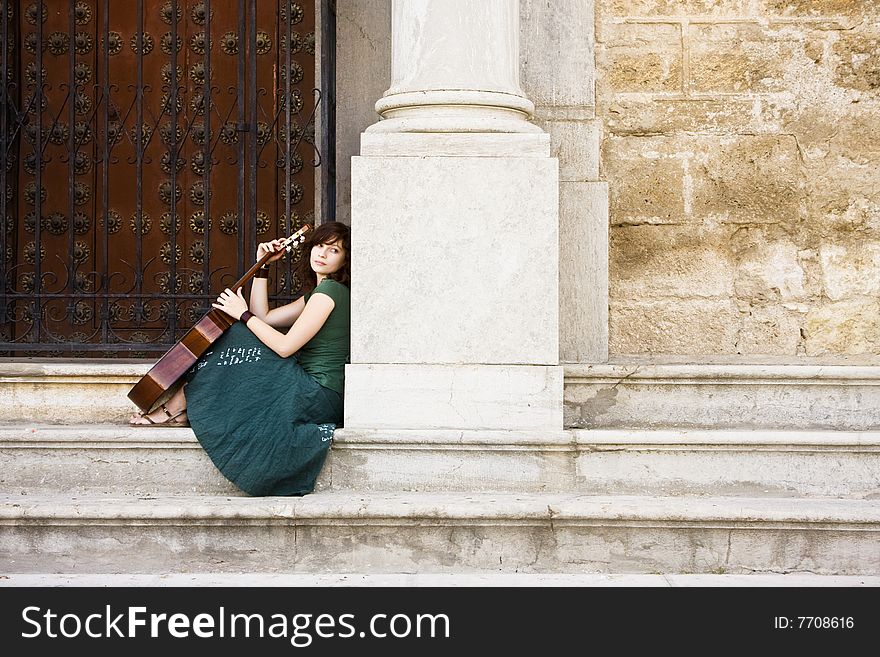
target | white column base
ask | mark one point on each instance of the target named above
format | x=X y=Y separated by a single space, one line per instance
x=501 y=397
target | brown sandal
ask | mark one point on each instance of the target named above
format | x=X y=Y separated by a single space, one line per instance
x=171 y=420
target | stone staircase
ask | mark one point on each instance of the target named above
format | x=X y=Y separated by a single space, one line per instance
x=667 y=468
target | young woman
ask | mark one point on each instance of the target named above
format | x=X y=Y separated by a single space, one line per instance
x=264 y=402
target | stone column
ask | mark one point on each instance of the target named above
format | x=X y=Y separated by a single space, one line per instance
x=455 y=234
x=454 y=68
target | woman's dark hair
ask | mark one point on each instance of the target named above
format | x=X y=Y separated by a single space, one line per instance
x=327 y=233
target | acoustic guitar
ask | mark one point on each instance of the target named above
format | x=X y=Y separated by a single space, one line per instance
x=183 y=355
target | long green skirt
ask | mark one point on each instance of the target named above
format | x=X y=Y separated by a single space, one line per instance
x=264 y=421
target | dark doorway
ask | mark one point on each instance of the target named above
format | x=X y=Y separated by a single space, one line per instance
x=146 y=148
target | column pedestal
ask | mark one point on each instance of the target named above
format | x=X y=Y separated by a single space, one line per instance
x=454 y=293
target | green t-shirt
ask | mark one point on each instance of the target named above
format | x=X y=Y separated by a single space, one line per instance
x=325 y=355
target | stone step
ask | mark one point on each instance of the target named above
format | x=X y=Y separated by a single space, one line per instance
x=106 y=459
x=132 y=461
x=346 y=532
x=632 y=393
x=724 y=395
x=612 y=461
x=59 y=391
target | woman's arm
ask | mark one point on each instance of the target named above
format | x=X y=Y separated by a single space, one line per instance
x=259 y=304
x=282 y=316
x=279 y=317
x=310 y=321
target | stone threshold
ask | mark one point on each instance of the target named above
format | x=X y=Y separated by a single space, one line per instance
x=384 y=508
x=527 y=580
x=619 y=366
x=22 y=435
x=796 y=373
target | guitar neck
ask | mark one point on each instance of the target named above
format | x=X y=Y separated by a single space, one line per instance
x=249 y=274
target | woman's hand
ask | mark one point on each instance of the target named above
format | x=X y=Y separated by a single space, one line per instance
x=275 y=246
x=231 y=303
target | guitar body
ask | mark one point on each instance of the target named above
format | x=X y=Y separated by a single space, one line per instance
x=182 y=356
x=177 y=360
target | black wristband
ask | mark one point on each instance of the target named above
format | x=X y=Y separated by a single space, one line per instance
x=245 y=316
x=262 y=272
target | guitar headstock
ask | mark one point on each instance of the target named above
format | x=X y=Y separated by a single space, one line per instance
x=298 y=237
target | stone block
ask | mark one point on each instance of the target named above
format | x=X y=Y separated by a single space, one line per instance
x=850 y=269
x=674 y=179
x=844 y=202
x=842 y=167
x=646 y=179
x=459 y=256
x=857 y=61
x=854 y=133
x=636 y=114
x=690 y=8
x=732 y=58
x=817 y=8
x=747 y=179
x=669 y=261
x=638 y=57
x=557 y=52
x=836 y=135
x=576 y=145
x=770 y=330
x=844 y=327
x=809 y=261
x=673 y=326
x=767 y=271
x=583 y=272
x=500 y=397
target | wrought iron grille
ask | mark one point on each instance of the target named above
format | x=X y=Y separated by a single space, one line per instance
x=145 y=149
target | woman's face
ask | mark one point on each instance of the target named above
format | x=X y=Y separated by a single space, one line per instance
x=327 y=258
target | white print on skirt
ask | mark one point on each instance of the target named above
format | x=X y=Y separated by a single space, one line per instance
x=236 y=355
x=202 y=362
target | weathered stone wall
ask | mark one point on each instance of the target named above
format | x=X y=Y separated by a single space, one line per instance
x=740 y=144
